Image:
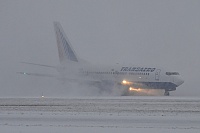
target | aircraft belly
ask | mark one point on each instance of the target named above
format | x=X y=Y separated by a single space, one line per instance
x=158 y=85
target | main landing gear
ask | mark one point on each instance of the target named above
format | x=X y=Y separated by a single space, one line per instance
x=166 y=93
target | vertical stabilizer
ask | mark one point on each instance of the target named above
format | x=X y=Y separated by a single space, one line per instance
x=65 y=50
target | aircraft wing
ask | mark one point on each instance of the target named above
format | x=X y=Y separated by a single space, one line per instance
x=72 y=79
x=38 y=74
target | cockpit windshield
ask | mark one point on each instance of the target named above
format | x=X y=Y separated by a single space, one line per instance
x=172 y=73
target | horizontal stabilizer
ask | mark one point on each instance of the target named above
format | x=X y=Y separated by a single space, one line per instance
x=39 y=65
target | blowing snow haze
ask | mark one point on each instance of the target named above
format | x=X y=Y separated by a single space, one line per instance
x=149 y=33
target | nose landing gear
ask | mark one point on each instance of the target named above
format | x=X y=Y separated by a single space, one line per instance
x=166 y=93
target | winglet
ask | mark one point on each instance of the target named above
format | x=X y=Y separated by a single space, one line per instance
x=65 y=50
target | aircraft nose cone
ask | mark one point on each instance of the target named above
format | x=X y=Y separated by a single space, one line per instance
x=179 y=81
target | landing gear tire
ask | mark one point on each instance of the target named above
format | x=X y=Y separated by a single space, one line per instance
x=166 y=93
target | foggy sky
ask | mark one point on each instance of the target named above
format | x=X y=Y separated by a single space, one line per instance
x=139 y=32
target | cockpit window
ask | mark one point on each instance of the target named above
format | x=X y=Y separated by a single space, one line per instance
x=172 y=73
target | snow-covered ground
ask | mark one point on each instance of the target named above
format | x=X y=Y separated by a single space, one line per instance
x=115 y=114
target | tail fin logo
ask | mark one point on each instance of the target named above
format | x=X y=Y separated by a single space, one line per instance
x=65 y=50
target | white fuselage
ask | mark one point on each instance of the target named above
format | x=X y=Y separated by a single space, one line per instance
x=137 y=77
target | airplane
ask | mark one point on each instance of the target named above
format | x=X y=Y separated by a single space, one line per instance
x=129 y=78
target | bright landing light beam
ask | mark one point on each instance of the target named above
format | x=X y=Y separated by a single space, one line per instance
x=124 y=82
x=134 y=89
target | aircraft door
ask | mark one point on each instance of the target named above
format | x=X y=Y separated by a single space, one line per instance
x=157 y=74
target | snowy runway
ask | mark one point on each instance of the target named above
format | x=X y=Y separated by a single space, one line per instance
x=116 y=114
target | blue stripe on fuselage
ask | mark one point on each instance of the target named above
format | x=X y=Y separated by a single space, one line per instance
x=158 y=85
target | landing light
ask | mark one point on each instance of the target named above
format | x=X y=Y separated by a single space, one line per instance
x=134 y=89
x=124 y=82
